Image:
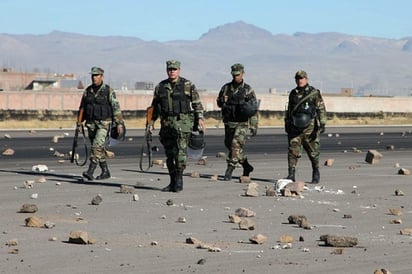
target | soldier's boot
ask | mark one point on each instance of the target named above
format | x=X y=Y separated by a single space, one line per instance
x=179 y=181
x=315 y=175
x=247 y=168
x=228 y=173
x=105 y=171
x=172 y=183
x=89 y=173
x=291 y=173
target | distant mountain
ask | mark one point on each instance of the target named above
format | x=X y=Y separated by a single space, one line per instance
x=369 y=65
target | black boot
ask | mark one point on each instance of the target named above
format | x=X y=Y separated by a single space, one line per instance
x=247 y=168
x=172 y=183
x=179 y=182
x=89 y=173
x=228 y=173
x=291 y=175
x=315 y=175
x=105 y=171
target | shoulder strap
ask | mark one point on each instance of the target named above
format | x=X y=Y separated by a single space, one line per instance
x=303 y=100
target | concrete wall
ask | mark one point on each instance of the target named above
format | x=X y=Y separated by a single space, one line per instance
x=29 y=100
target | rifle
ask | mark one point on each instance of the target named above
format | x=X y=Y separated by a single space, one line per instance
x=74 y=157
x=147 y=141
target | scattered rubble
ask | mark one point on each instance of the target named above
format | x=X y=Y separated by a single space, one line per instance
x=339 y=241
x=373 y=157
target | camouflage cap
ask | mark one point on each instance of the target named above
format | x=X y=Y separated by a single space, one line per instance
x=301 y=74
x=96 y=70
x=173 y=64
x=237 y=69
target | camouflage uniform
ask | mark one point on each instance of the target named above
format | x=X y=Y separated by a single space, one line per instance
x=230 y=99
x=101 y=107
x=305 y=120
x=178 y=106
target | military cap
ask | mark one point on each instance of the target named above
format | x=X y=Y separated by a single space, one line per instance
x=237 y=69
x=173 y=64
x=301 y=74
x=96 y=70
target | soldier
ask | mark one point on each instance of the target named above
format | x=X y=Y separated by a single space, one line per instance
x=304 y=122
x=238 y=102
x=177 y=103
x=99 y=107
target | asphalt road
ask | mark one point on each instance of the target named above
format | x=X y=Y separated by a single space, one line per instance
x=39 y=146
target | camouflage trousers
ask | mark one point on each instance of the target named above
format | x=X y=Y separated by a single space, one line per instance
x=235 y=140
x=309 y=140
x=97 y=131
x=175 y=143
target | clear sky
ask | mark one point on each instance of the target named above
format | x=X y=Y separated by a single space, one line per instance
x=188 y=19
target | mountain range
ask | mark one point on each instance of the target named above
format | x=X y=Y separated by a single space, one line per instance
x=368 y=65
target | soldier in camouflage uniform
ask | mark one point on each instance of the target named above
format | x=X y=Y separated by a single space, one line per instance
x=100 y=107
x=304 y=122
x=177 y=103
x=238 y=102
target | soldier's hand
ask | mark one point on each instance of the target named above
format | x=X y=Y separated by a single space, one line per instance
x=253 y=131
x=322 y=128
x=79 y=126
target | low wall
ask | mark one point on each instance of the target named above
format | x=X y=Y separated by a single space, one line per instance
x=29 y=100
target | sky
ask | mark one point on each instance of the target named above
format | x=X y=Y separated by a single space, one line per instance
x=162 y=20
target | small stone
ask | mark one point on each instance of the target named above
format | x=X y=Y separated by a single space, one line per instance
x=126 y=189
x=339 y=241
x=34 y=222
x=329 y=162
x=246 y=224
x=245 y=180
x=373 y=156
x=8 y=152
x=195 y=174
x=170 y=202
x=396 y=221
x=12 y=242
x=201 y=261
x=49 y=225
x=154 y=243
x=382 y=271
x=244 y=212
x=404 y=171
x=406 y=231
x=181 y=220
x=221 y=155
x=258 y=239
x=286 y=239
x=135 y=197
x=395 y=211
x=347 y=216
x=214 y=178
x=28 y=208
x=399 y=192
x=271 y=192
x=234 y=219
x=97 y=199
x=78 y=237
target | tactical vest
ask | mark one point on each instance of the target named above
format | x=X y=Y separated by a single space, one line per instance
x=176 y=101
x=97 y=106
x=304 y=109
x=237 y=108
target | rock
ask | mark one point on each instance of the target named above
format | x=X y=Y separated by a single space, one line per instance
x=396 y=221
x=244 y=212
x=286 y=239
x=109 y=154
x=406 y=231
x=7 y=136
x=399 y=192
x=404 y=171
x=97 y=199
x=271 y=192
x=252 y=190
x=339 y=241
x=135 y=197
x=296 y=187
x=245 y=180
x=49 y=225
x=214 y=178
x=382 y=271
x=329 y=162
x=28 y=208
x=126 y=189
x=170 y=202
x=337 y=251
x=390 y=147
x=202 y=162
x=246 y=224
x=234 y=219
x=395 y=211
x=39 y=168
x=34 y=222
x=258 y=239
x=193 y=240
x=8 y=152
x=158 y=162
x=181 y=220
x=221 y=155
x=12 y=242
x=79 y=237
x=195 y=174
x=373 y=156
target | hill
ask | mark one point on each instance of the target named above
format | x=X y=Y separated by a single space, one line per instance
x=369 y=65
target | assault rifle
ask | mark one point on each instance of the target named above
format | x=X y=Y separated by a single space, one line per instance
x=147 y=141
x=74 y=157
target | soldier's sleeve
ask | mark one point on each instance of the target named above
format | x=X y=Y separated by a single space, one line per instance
x=220 y=100
x=155 y=104
x=321 y=109
x=117 y=111
x=254 y=120
x=196 y=103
